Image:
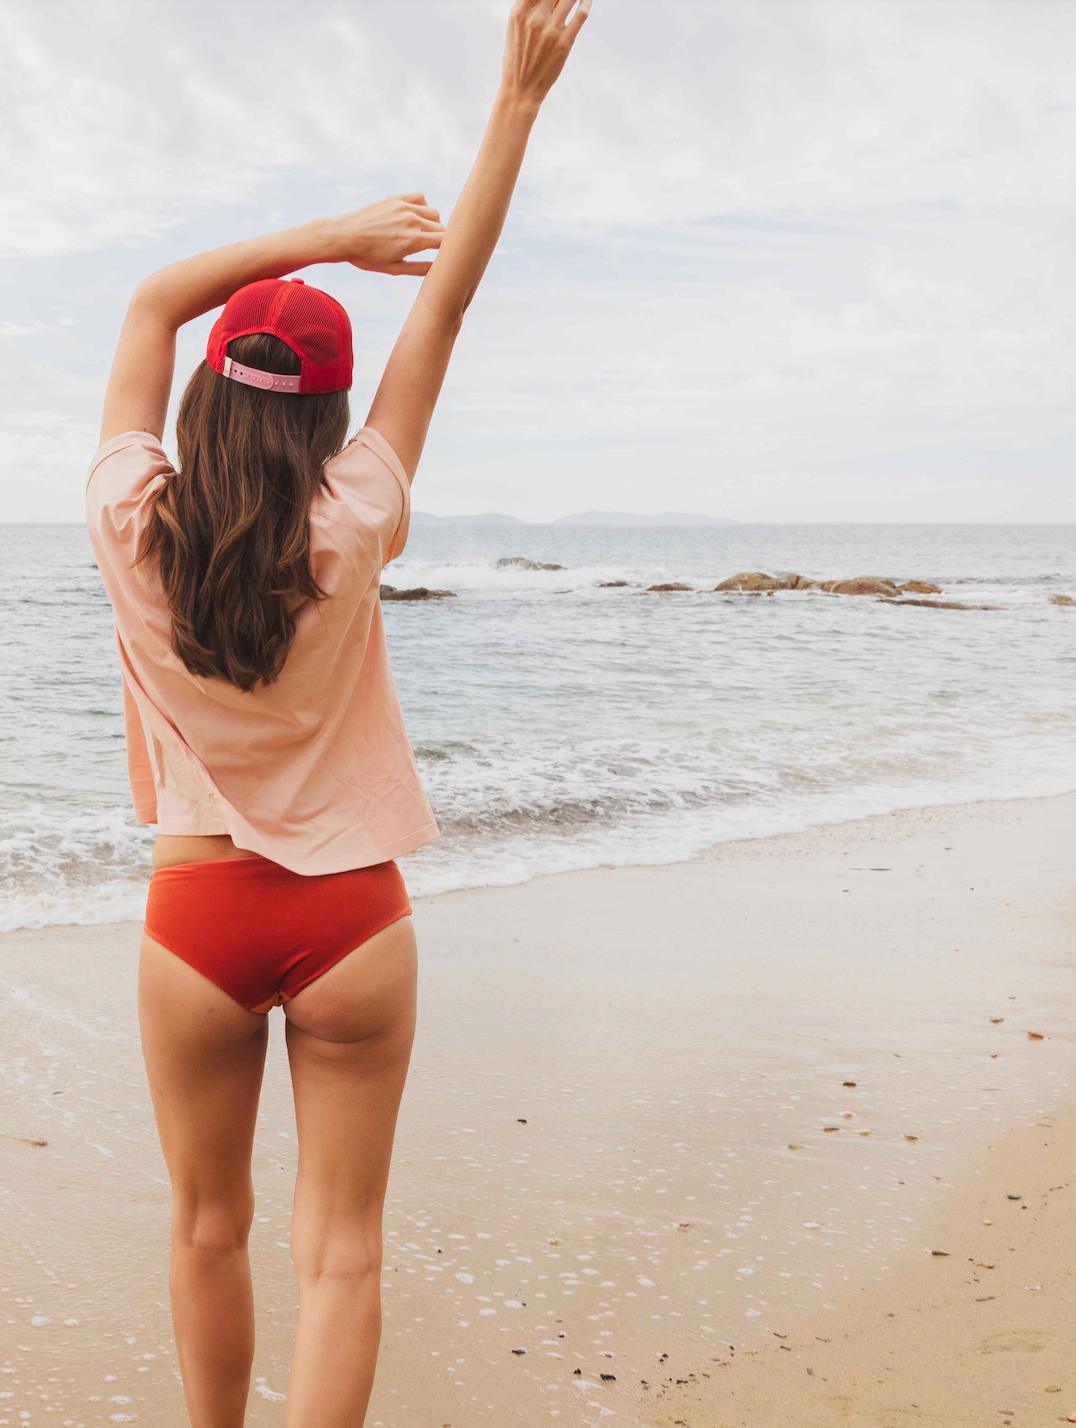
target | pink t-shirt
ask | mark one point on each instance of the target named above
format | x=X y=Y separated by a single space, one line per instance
x=313 y=771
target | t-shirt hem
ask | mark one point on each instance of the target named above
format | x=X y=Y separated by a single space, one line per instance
x=308 y=867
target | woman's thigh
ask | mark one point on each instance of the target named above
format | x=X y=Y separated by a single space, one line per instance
x=349 y=1043
x=204 y=1057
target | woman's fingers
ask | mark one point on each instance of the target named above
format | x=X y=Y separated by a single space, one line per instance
x=417 y=268
x=576 y=23
x=422 y=241
x=561 y=9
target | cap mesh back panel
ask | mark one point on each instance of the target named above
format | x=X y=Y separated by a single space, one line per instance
x=311 y=322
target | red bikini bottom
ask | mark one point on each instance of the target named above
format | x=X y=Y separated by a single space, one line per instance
x=262 y=933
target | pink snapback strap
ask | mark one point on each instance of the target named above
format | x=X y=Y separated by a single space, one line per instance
x=253 y=377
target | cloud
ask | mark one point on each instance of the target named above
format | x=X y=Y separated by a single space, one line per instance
x=122 y=119
x=813 y=256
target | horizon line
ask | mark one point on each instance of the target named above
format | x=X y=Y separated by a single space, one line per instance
x=717 y=520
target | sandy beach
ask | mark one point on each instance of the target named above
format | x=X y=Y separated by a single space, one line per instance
x=712 y=1144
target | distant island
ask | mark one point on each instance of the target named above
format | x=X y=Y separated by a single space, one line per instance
x=629 y=518
x=584 y=518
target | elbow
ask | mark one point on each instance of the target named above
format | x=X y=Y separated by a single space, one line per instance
x=150 y=300
x=146 y=294
x=468 y=299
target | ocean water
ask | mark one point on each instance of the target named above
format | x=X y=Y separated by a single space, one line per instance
x=561 y=725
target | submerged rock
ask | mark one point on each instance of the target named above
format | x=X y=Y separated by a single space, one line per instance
x=671 y=586
x=520 y=562
x=1062 y=600
x=861 y=585
x=936 y=604
x=751 y=580
x=611 y=584
x=389 y=592
x=919 y=587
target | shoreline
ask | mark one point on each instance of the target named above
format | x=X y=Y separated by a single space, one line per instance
x=602 y=1055
x=798 y=829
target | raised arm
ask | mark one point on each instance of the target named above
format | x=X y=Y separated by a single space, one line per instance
x=540 y=36
x=378 y=237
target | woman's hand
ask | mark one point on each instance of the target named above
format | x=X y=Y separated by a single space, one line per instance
x=540 y=38
x=381 y=236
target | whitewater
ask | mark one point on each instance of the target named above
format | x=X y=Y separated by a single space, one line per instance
x=561 y=722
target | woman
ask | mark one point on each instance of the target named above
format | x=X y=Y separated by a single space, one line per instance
x=265 y=740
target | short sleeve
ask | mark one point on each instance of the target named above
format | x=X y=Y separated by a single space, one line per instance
x=368 y=478
x=124 y=475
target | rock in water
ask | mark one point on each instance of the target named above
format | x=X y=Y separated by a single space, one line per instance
x=861 y=585
x=919 y=587
x=751 y=580
x=611 y=584
x=672 y=586
x=1062 y=600
x=419 y=593
x=798 y=582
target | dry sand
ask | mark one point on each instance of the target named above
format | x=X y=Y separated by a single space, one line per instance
x=981 y=1330
x=614 y=1148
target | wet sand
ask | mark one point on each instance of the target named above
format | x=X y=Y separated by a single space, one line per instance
x=627 y=1134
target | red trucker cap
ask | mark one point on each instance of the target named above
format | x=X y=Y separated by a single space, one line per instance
x=312 y=323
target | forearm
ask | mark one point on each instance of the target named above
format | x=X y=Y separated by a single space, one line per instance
x=187 y=289
x=540 y=36
x=478 y=217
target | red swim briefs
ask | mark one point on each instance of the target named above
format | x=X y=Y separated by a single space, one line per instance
x=262 y=933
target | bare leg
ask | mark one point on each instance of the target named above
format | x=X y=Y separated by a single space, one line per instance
x=204 y=1058
x=349 y=1042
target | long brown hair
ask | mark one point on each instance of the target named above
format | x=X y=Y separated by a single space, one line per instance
x=231 y=529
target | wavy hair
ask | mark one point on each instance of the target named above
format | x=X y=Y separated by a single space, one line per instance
x=231 y=530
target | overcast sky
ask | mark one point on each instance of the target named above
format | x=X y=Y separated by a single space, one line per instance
x=779 y=260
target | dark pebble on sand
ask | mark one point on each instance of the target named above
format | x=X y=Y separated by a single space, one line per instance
x=608 y=1378
x=519 y=1351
